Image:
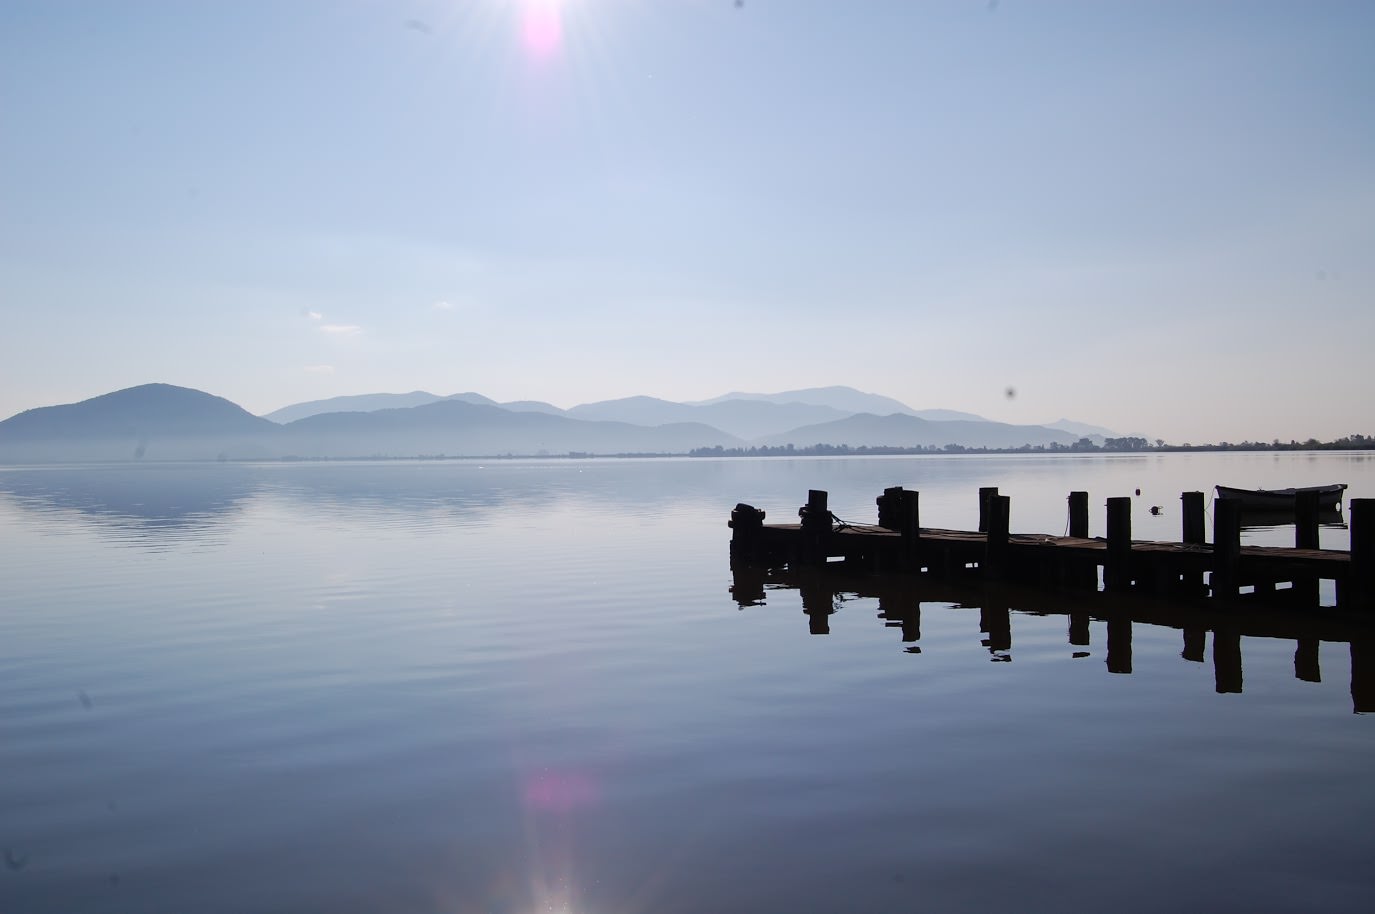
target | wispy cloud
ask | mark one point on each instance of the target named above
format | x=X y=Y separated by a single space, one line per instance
x=319 y=369
x=315 y=315
x=341 y=329
x=442 y=306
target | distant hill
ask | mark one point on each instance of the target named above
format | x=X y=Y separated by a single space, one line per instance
x=455 y=427
x=1082 y=429
x=163 y=422
x=531 y=406
x=367 y=403
x=743 y=418
x=845 y=400
x=151 y=420
x=899 y=430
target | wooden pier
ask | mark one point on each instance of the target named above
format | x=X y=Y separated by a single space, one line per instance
x=1223 y=569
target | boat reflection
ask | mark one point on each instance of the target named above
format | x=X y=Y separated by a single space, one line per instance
x=900 y=600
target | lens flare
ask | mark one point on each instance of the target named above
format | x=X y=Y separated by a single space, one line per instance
x=541 y=27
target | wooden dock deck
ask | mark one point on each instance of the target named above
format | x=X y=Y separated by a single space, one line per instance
x=1223 y=569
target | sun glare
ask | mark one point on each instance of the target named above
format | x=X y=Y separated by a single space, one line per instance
x=541 y=27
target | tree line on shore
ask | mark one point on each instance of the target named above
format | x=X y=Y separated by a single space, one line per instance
x=1083 y=445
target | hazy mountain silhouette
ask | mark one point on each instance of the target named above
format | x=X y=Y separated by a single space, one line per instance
x=367 y=403
x=845 y=400
x=153 y=420
x=532 y=406
x=743 y=418
x=744 y=415
x=163 y=422
x=899 y=430
x=1082 y=429
x=455 y=427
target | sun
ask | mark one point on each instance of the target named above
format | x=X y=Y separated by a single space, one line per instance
x=541 y=27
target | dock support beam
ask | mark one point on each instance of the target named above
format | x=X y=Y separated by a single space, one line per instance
x=995 y=549
x=910 y=528
x=1192 y=533
x=747 y=525
x=1117 y=574
x=1305 y=590
x=816 y=528
x=1226 y=547
x=986 y=494
x=1360 y=586
x=1079 y=515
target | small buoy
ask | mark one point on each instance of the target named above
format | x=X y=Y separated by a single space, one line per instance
x=1138 y=491
x=1155 y=509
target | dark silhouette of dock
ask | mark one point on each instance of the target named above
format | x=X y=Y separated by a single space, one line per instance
x=1222 y=570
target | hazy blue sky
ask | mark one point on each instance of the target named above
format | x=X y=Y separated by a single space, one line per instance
x=1156 y=216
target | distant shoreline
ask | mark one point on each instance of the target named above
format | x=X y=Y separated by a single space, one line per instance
x=1353 y=443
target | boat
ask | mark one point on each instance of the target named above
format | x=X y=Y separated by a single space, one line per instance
x=1329 y=497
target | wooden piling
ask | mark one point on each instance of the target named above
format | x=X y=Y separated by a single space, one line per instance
x=816 y=528
x=1117 y=575
x=1360 y=585
x=1191 y=510
x=1193 y=533
x=994 y=565
x=986 y=493
x=1226 y=548
x=1079 y=514
x=910 y=528
x=1306 y=520
x=747 y=524
x=889 y=508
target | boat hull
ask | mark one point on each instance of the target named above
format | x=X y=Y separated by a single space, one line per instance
x=1329 y=497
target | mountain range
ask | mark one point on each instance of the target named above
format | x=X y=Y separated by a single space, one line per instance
x=161 y=421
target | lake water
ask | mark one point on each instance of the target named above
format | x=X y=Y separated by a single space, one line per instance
x=526 y=687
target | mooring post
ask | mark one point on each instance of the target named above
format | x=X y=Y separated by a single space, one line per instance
x=1305 y=586
x=747 y=525
x=986 y=493
x=816 y=528
x=910 y=528
x=1117 y=573
x=1079 y=573
x=1306 y=520
x=1079 y=515
x=1192 y=533
x=1360 y=585
x=889 y=508
x=1191 y=510
x=1226 y=547
x=994 y=565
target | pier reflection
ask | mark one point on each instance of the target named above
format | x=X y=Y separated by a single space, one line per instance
x=900 y=601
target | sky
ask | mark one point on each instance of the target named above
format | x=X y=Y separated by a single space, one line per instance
x=1153 y=216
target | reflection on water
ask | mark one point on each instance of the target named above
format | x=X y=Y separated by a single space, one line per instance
x=455 y=687
x=899 y=600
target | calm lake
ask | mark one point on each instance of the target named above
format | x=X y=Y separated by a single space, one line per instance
x=526 y=686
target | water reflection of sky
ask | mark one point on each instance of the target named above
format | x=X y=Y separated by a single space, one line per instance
x=442 y=688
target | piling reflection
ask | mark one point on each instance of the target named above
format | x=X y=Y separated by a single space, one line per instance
x=900 y=602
